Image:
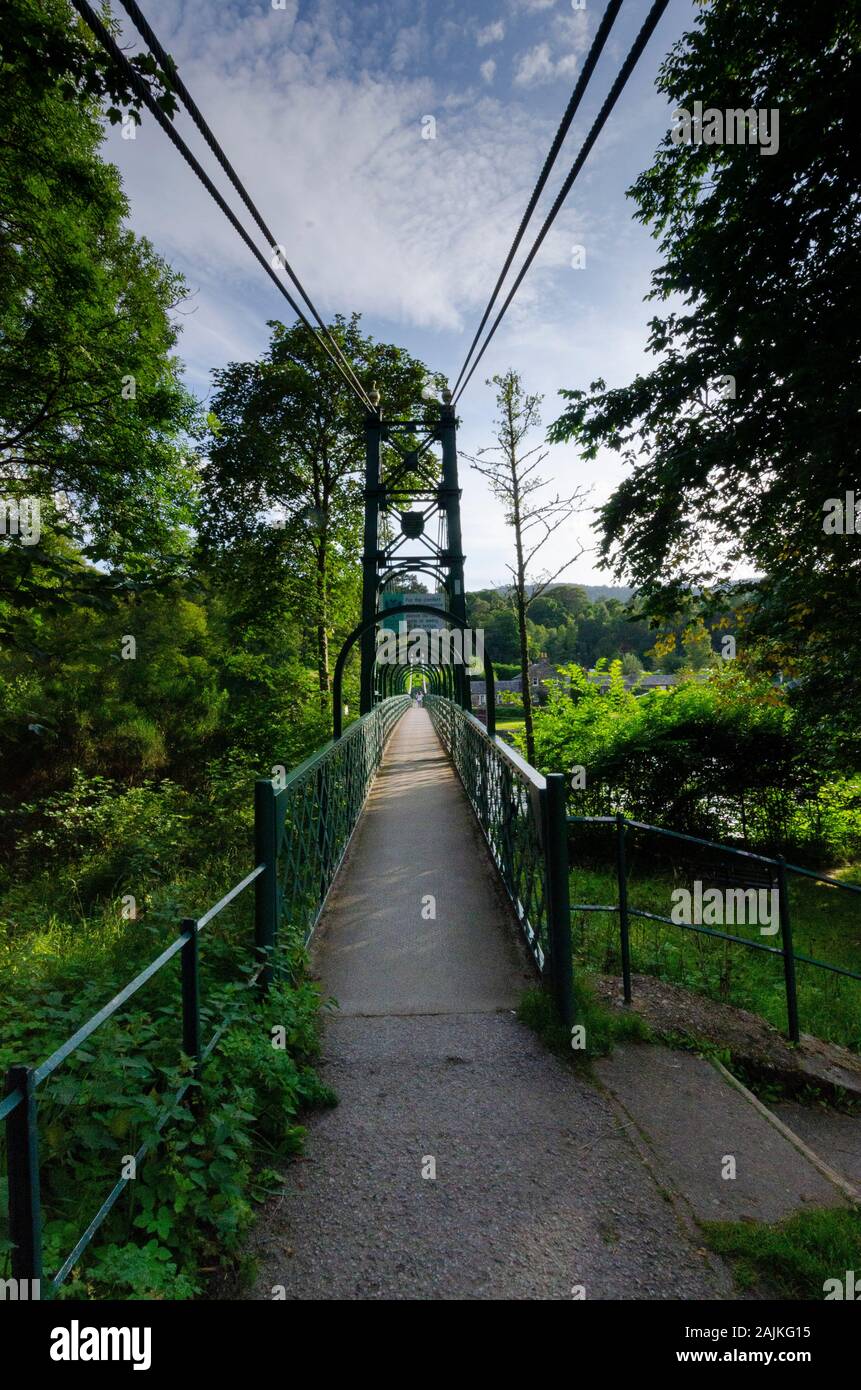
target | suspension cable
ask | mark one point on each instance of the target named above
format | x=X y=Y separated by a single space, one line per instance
x=169 y=66
x=140 y=87
x=615 y=91
x=592 y=57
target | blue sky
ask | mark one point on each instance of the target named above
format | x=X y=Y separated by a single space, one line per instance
x=320 y=105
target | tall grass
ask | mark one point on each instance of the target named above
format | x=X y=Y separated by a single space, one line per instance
x=826 y=925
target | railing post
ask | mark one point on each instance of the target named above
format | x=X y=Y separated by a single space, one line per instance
x=624 y=926
x=323 y=814
x=266 y=886
x=22 y=1157
x=490 y=699
x=788 y=954
x=559 y=910
x=191 y=1044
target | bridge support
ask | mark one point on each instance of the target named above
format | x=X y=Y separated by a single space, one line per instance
x=370 y=555
x=404 y=485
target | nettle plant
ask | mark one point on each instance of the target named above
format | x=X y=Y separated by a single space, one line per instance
x=191 y=1200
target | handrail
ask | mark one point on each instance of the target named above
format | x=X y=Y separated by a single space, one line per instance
x=518 y=810
x=18 y=1106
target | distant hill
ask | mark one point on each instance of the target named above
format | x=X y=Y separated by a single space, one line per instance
x=594 y=591
x=598 y=591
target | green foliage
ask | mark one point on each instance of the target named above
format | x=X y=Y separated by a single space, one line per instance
x=792 y=1258
x=826 y=926
x=603 y=1026
x=722 y=758
x=563 y=625
x=45 y=45
x=91 y=401
x=192 y=1199
x=759 y=258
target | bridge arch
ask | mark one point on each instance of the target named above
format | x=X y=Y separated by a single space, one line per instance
x=404 y=608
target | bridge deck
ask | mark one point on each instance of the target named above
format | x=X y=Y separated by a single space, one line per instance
x=538 y=1187
x=418 y=839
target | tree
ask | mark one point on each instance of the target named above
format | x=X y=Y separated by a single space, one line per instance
x=93 y=415
x=46 y=44
x=287 y=446
x=747 y=425
x=514 y=481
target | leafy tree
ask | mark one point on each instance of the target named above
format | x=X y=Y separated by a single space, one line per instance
x=287 y=446
x=759 y=276
x=93 y=416
x=724 y=759
x=45 y=44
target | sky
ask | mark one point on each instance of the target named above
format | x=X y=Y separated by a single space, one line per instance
x=322 y=106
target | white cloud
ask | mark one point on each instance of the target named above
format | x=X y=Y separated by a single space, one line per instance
x=321 y=117
x=407 y=47
x=491 y=33
x=537 y=65
x=370 y=213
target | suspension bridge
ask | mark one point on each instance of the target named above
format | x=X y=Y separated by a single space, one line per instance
x=427 y=864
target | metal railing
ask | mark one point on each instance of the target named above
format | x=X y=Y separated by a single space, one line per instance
x=522 y=816
x=781 y=869
x=301 y=834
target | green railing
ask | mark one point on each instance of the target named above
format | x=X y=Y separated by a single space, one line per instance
x=301 y=834
x=522 y=815
x=778 y=868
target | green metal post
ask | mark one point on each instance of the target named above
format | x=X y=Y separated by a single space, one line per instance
x=22 y=1158
x=370 y=557
x=266 y=886
x=624 y=925
x=322 y=824
x=449 y=495
x=191 y=1044
x=490 y=698
x=559 y=907
x=788 y=953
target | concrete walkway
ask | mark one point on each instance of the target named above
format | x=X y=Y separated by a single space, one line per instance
x=695 y=1123
x=539 y=1188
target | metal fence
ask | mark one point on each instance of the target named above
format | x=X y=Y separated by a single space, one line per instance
x=525 y=822
x=779 y=870
x=301 y=834
x=522 y=815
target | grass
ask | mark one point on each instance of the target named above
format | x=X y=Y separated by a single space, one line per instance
x=795 y=1258
x=826 y=925
x=602 y=1027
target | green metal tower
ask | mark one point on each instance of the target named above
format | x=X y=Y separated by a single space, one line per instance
x=407 y=491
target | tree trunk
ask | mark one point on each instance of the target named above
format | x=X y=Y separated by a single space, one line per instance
x=524 y=677
x=321 y=588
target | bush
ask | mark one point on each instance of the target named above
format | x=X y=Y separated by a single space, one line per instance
x=723 y=758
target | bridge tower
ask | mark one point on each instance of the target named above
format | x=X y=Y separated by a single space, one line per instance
x=406 y=491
